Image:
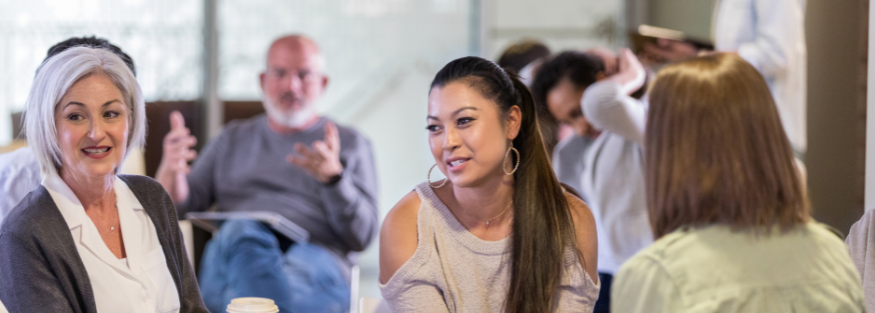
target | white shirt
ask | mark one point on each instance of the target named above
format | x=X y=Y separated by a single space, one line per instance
x=613 y=174
x=715 y=269
x=141 y=283
x=770 y=35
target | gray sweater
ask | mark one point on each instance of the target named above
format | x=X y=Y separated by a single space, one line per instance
x=454 y=271
x=40 y=268
x=245 y=169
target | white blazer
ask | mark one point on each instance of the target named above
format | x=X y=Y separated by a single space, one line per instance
x=770 y=35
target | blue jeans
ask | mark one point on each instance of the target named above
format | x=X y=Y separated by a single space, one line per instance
x=244 y=260
x=603 y=304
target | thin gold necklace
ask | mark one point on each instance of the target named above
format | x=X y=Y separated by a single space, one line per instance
x=489 y=220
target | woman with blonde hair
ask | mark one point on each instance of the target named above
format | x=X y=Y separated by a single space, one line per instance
x=727 y=205
x=89 y=240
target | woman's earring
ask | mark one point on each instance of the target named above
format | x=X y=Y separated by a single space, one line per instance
x=428 y=178
x=504 y=164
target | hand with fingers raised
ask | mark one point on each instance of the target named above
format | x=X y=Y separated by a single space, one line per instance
x=322 y=160
x=631 y=74
x=610 y=59
x=177 y=154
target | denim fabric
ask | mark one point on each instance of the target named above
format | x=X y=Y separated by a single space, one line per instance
x=244 y=260
x=603 y=304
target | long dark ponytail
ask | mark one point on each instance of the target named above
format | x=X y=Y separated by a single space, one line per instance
x=542 y=224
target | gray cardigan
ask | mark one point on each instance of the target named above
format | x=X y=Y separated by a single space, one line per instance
x=40 y=268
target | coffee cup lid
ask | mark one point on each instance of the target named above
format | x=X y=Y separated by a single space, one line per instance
x=253 y=305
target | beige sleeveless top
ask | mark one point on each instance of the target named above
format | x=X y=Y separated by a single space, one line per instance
x=454 y=271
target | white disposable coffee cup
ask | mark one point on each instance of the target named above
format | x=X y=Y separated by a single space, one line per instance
x=252 y=305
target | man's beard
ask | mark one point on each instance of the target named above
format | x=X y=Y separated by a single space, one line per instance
x=290 y=118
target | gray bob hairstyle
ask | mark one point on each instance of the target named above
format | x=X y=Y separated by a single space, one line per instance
x=55 y=77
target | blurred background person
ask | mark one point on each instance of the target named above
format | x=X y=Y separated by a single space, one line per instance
x=523 y=58
x=732 y=222
x=107 y=243
x=19 y=169
x=290 y=161
x=770 y=35
x=613 y=176
x=557 y=89
x=860 y=241
x=500 y=234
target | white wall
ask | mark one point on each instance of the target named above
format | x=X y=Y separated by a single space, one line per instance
x=561 y=24
x=162 y=36
x=693 y=17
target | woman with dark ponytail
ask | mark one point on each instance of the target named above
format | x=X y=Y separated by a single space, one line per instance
x=500 y=234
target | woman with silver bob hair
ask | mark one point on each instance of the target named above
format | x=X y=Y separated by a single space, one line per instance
x=88 y=240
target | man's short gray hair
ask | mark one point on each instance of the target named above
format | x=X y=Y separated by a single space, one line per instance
x=55 y=77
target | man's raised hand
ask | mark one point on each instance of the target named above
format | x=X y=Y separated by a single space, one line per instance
x=177 y=153
x=322 y=160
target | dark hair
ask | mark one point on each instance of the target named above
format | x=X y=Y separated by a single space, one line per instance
x=542 y=226
x=91 y=42
x=580 y=68
x=520 y=54
x=716 y=150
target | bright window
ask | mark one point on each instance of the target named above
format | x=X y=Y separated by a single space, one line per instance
x=164 y=37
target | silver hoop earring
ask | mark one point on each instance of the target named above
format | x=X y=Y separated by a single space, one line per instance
x=428 y=179
x=507 y=154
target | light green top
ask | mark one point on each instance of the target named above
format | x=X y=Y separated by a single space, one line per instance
x=713 y=269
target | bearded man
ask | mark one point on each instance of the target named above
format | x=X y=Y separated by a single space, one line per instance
x=290 y=161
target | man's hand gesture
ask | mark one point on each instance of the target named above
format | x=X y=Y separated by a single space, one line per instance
x=631 y=74
x=322 y=160
x=174 y=161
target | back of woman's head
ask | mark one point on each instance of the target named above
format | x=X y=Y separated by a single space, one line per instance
x=716 y=151
x=542 y=225
x=55 y=77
